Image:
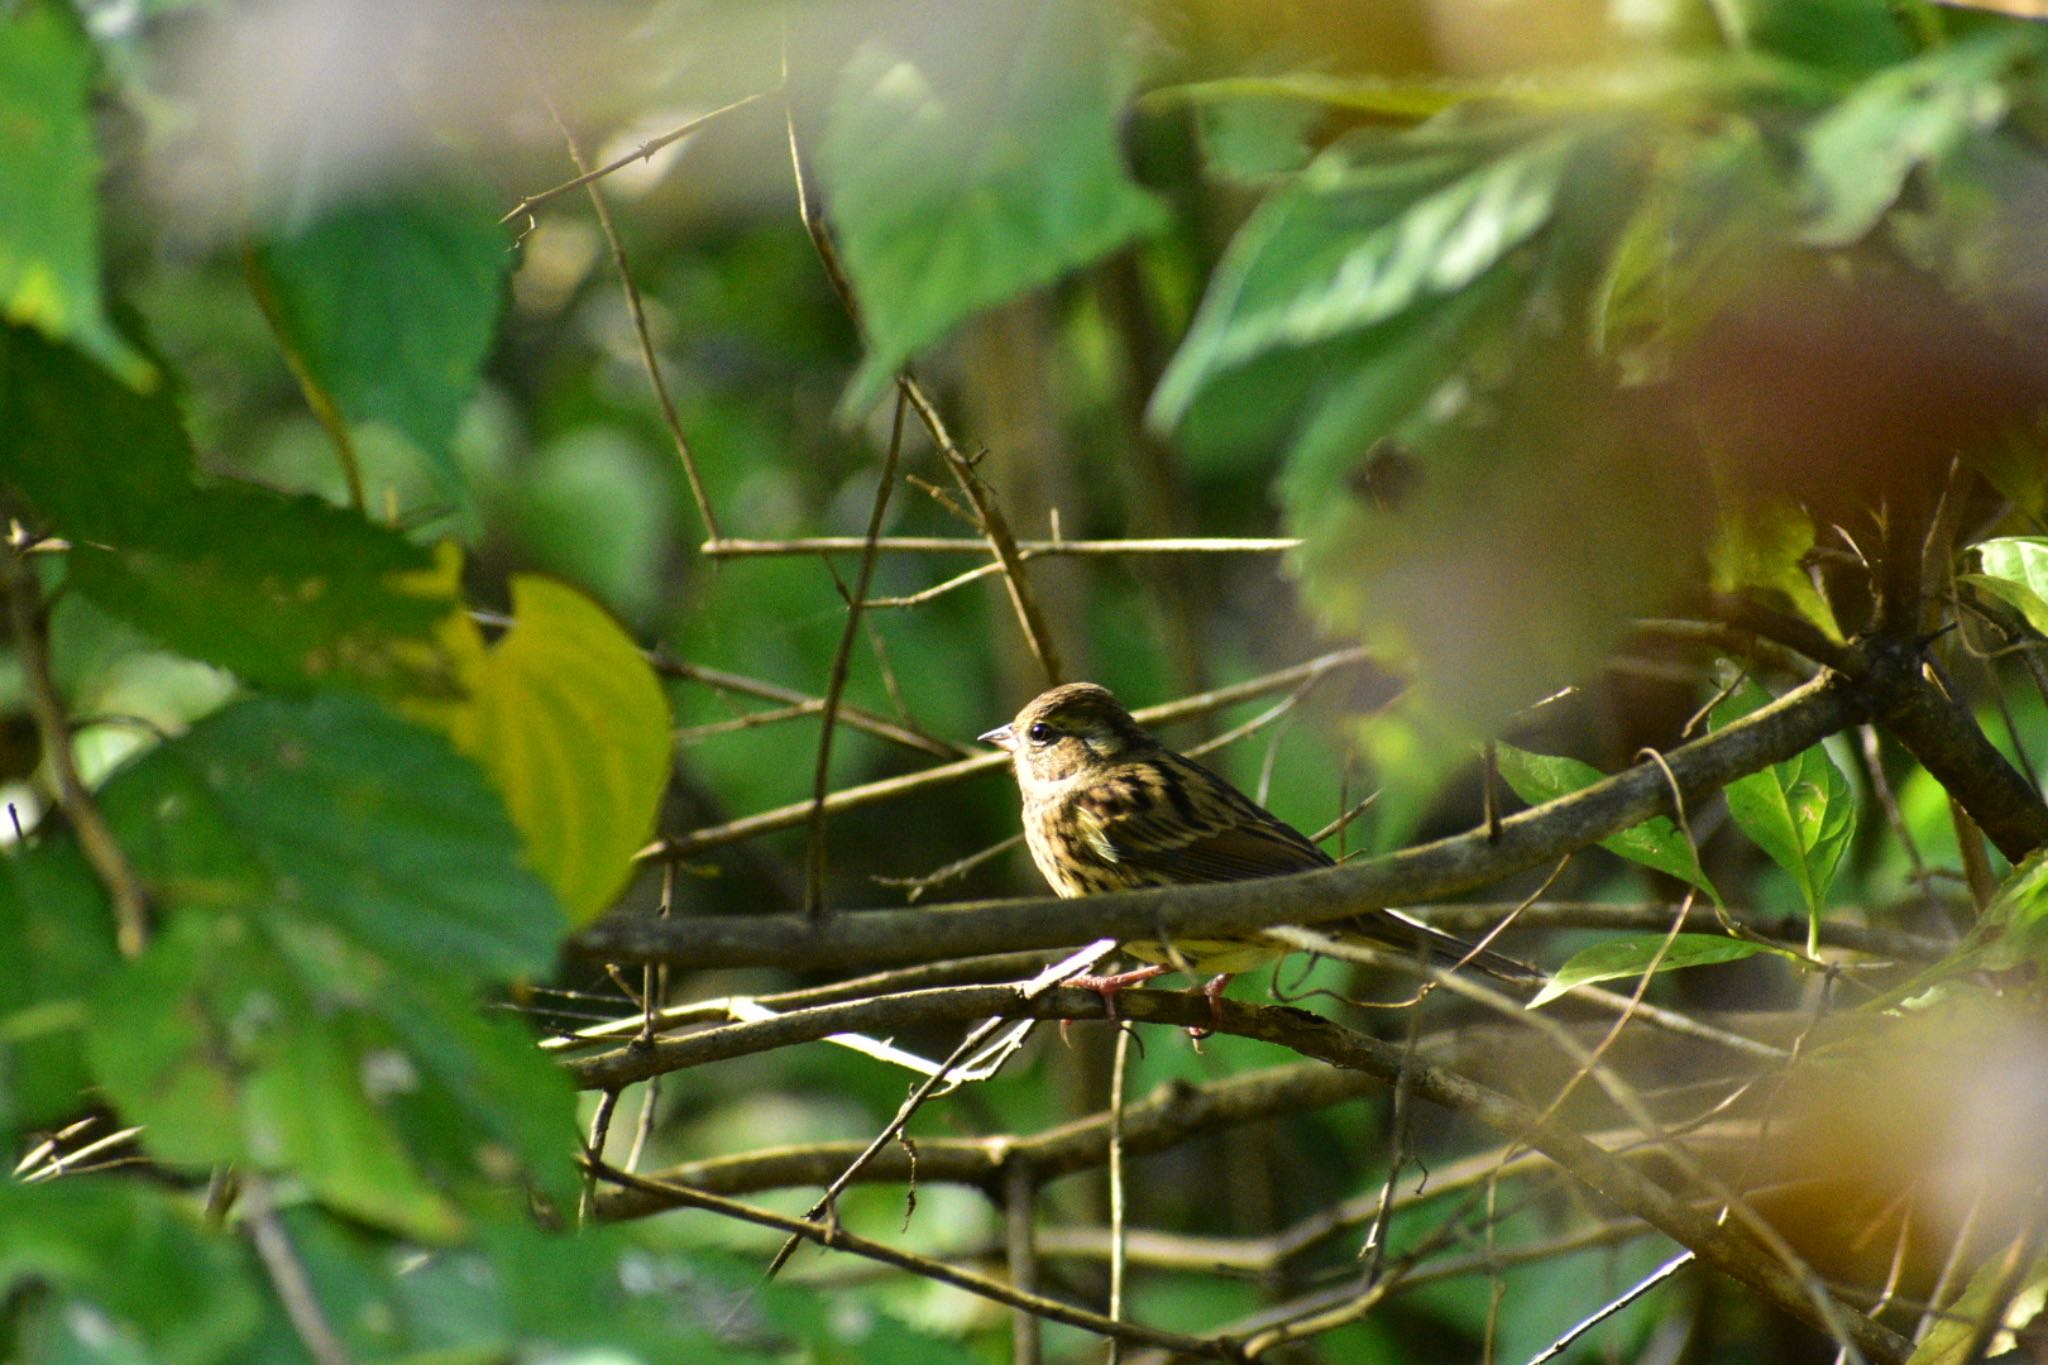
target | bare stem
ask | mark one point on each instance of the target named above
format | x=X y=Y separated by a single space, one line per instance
x=95 y=837
x=635 y=308
x=835 y=684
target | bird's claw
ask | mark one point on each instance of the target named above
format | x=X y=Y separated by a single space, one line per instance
x=1112 y=985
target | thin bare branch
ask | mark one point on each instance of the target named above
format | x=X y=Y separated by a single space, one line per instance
x=831 y=1234
x=634 y=307
x=288 y=1275
x=1592 y=1320
x=95 y=837
x=835 y=683
x=787 y=817
x=879 y=726
x=988 y=518
x=1027 y=549
x=1020 y=1203
x=646 y=149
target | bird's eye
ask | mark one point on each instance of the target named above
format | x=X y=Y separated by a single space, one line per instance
x=1039 y=733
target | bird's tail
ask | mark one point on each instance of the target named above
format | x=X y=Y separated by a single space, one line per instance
x=1396 y=931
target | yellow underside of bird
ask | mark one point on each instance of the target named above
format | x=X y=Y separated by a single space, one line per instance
x=1207 y=956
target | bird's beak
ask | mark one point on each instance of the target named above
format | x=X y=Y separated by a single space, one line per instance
x=1003 y=737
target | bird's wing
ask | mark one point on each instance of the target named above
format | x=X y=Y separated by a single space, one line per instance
x=1177 y=821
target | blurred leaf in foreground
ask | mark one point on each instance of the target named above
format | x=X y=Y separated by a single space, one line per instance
x=963 y=176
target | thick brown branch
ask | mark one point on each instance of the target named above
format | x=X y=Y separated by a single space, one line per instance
x=1431 y=871
x=1947 y=741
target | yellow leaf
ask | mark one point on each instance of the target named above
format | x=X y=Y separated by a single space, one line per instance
x=572 y=727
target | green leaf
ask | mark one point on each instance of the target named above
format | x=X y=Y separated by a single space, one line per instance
x=1633 y=956
x=1253 y=140
x=2016 y=570
x=56 y=935
x=2013 y=930
x=49 y=189
x=136 y=1263
x=1656 y=843
x=96 y=460
x=512 y=1291
x=392 y=306
x=1375 y=227
x=224 y=1055
x=287 y=592
x=336 y=812
x=1948 y=1341
x=2011 y=933
x=1765 y=547
x=1859 y=154
x=376 y=1085
x=954 y=188
x=333 y=882
x=1419 y=301
x=1717 y=206
x=573 y=728
x=1800 y=812
x=1848 y=37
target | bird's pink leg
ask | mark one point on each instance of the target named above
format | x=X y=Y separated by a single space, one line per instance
x=1109 y=987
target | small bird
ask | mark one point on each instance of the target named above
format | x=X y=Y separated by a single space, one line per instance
x=1107 y=807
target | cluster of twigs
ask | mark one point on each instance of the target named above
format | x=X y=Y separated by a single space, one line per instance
x=992 y=969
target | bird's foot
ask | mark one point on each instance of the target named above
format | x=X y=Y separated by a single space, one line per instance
x=1112 y=985
x=1213 y=989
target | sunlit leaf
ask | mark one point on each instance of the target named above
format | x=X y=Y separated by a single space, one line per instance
x=1657 y=842
x=1416 y=301
x=2016 y=570
x=1949 y=1340
x=2013 y=930
x=568 y=719
x=49 y=183
x=1859 y=154
x=1765 y=547
x=953 y=188
x=1632 y=957
x=1801 y=811
x=1374 y=228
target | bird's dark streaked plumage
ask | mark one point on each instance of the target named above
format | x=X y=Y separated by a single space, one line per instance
x=1107 y=807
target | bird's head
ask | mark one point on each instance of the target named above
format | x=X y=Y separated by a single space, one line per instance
x=1070 y=731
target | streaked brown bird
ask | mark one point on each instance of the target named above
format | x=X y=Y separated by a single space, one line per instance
x=1107 y=807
